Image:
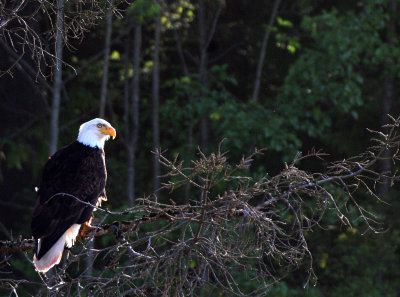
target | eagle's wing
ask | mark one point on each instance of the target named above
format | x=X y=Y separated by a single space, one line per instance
x=69 y=175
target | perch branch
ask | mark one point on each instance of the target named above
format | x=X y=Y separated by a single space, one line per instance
x=23 y=245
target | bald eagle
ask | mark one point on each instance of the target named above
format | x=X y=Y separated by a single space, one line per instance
x=73 y=181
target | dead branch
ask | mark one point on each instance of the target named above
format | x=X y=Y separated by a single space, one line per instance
x=19 y=21
x=24 y=245
x=232 y=222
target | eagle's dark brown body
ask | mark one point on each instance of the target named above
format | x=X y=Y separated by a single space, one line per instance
x=78 y=170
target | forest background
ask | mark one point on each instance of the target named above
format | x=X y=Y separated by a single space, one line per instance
x=288 y=76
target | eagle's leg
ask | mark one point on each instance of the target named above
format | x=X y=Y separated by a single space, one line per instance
x=86 y=227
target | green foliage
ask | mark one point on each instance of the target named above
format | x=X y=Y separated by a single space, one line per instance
x=330 y=72
x=365 y=265
x=284 y=23
x=284 y=40
x=193 y=100
x=243 y=124
x=141 y=10
x=282 y=289
x=15 y=155
x=179 y=15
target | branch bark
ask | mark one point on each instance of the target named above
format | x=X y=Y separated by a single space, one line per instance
x=6 y=18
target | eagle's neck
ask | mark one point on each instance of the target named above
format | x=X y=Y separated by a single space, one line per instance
x=91 y=140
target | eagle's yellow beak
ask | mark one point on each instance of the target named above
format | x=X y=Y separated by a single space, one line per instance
x=109 y=131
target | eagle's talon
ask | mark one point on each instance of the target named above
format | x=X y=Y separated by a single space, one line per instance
x=86 y=228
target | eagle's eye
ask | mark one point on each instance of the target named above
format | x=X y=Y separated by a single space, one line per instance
x=99 y=125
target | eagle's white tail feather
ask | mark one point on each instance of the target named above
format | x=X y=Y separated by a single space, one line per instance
x=53 y=255
x=72 y=233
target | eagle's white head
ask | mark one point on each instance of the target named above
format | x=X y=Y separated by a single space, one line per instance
x=95 y=132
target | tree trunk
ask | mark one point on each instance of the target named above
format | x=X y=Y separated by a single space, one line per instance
x=57 y=86
x=203 y=74
x=107 y=47
x=385 y=166
x=387 y=102
x=127 y=117
x=103 y=101
x=260 y=64
x=155 y=103
x=133 y=121
x=190 y=99
x=127 y=91
x=190 y=96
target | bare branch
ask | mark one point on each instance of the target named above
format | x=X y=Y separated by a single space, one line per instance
x=232 y=223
